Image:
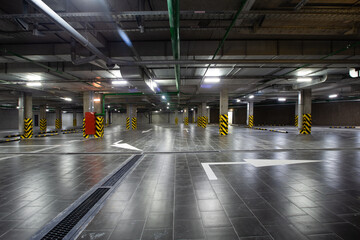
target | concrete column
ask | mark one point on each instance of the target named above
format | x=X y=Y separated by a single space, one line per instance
x=128 y=116
x=176 y=117
x=224 y=108
x=107 y=117
x=304 y=109
x=21 y=110
x=43 y=121
x=208 y=114
x=28 y=117
x=186 y=116
x=250 y=114
x=98 y=102
x=88 y=102
x=203 y=114
x=296 y=118
x=131 y=117
x=58 y=119
x=74 y=118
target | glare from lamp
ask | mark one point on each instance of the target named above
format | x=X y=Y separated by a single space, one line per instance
x=354 y=73
x=282 y=99
x=97 y=100
x=33 y=84
x=119 y=82
x=251 y=96
x=303 y=72
x=33 y=77
x=333 y=96
x=304 y=79
x=211 y=80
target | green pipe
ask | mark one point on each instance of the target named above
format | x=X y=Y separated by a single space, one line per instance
x=174 y=21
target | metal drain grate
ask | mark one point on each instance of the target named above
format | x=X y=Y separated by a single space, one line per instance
x=114 y=178
x=65 y=226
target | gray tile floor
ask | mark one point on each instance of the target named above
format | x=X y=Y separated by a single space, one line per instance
x=169 y=195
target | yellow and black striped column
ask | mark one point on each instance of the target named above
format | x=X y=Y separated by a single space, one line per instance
x=176 y=121
x=28 y=128
x=128 y=123
x=224 y=124
x=99 y=127
x=84 y=127
x=186 y=121
x=58 y=124
x=43 y=124
x=306 y=126
x=296 y=120
x=134 y=123
x=251 y=121
x=203 y=122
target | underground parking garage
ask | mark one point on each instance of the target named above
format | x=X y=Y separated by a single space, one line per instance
x=159 y=120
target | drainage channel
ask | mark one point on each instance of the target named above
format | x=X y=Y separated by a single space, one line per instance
x=72 y=221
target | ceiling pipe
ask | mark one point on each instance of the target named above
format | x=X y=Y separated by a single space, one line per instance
x=174 y=21
x=312 y=83
x=79 y=61
x=68 y=28
x=238 y=61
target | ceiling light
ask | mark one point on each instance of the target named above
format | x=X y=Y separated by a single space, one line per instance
x=119 y=82
x=33 y=77
x=115 y=109
x=67 y=99
x=168 y=103
x=238 y=100
x=108 y=106
x=17 y=107
x=167 y=107
x=354 y=73
x=281 y=99
x=160 y=110
x=117 y=73
x=154 y=84
x=182 y=110
x=212 y=80
x=163 y=97
x=304 y=72
x=33 y=84
x=47 y=110
x=97 y=100
x=207 y=107
x=251 y=96
x=304 y=79
x=192 y=109
x=213 y=72
x=156 y=111
x=333 y=96
x=64 y=111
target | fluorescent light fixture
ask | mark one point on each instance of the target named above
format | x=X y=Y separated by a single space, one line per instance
x=213 y=72
x=182 y=110
x=97 y=100
x=207 y=107
x=117 y=73
x=108 y=106
x=251 y=96
x=67 y=99
x=47 y=110
x=156 y=111
x=64 y=111
x=354 y=73
x=119 y=82
x=17 y=107
x=33 y=77
x=167 y=107
x=304 y=79
x=238 y=100
x=160 y=110
x=333 y=96
x=304 y=72
x=115 y=109
x=282 y=99
x=163 y=97
x=211 y=80
x=154 y=84
x=33 y=84
x=192 y=109
x=168 y=103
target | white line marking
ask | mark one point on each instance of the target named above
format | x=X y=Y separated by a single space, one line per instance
x=36 y=151
x=255 y=162
x=146 y=131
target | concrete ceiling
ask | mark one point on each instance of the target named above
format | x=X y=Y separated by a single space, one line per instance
x=269 y=46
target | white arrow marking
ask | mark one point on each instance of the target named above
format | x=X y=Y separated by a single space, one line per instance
x=255 y=162
x=125 y=145
x=146 y=131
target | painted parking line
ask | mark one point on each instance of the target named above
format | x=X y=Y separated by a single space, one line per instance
x=255 y=162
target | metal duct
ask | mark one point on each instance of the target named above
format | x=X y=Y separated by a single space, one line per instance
x=68 y=28
x=312 y=83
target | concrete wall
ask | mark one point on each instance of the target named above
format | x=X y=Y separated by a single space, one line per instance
x=277 y=114
x=8 y=119
x=214 y=115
